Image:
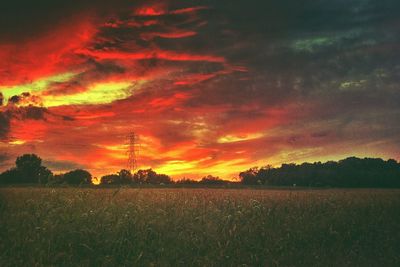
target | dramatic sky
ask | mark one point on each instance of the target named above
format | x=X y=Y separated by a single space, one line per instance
x=210 y=86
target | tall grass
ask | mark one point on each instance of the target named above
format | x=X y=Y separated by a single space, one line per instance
x=198 y=227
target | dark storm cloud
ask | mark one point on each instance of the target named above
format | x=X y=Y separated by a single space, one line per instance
x=21 y=19
x=287 y=37
x=306 y=50
x=25 y=19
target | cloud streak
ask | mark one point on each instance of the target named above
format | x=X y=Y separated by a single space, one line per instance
x=210 y=87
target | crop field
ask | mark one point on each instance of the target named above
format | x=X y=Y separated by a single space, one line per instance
x=198 y=227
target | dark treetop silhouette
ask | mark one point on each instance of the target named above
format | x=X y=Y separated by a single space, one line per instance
x=349 y=172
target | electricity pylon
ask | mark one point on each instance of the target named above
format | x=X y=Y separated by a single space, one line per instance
x=133 y=151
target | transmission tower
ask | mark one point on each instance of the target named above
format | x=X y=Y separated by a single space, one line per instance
x=133 y=151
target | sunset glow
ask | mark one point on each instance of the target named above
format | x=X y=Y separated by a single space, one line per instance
x=209 y=87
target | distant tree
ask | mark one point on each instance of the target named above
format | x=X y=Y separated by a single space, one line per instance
x=125 y=176
x=349 y=172
x=30 y=169
x=163 y=179
x=28 y=163
x=186 y=181
x=151 y=177
x=141 y=176
x=122 y=177
x=44 y=175
x=77 y=177
x=9 y=176
x=263 y=174
x=110 y=179
x=57 y=179
x=212 y=180
x=249 y=177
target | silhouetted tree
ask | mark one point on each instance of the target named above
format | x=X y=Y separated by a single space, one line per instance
x=44 y=175
x=141 y=176
x=125 y=176
x=249 y=177
x=263 y=174
x=212 y=180
x=77 y=177
x=9 y=176
x=28 y=169
x=109 y=179
x=29 y=163
x=163 y=179
x=186 y=181
x=57 y=179
x=151 y=177
x=349 y=172
x=122 y=177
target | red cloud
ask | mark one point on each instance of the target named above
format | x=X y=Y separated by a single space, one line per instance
x=150 y=54
x=161 y=9
x=168 y=35
x=152 y=10
x=170 y=101
x=50 y=53
x=188 y=10
x=196 y=78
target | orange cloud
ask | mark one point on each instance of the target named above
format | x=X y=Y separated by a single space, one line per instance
x=152 y=10
x=150 y=54
x=162 y=9
x=168 y=35
x=46 y=55
x=188 y=10
x=207 y=92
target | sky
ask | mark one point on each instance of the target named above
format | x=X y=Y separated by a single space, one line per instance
x=210 y=86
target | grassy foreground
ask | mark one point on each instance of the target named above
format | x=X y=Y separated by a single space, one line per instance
x=198 y=227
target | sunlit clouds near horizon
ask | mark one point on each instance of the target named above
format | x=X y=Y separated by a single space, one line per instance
x=210 y=87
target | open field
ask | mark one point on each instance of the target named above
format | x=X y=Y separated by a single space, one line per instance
x=199 y=227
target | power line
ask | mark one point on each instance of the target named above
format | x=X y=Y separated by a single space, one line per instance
x=133 y=151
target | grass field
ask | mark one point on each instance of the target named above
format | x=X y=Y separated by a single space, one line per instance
x=198 y=227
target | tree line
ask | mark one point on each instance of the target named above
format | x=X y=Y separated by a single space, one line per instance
x=29 y=170
x=351 y=172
